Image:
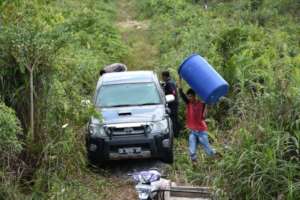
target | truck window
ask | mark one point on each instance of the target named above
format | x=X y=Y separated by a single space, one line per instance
x=129 y=94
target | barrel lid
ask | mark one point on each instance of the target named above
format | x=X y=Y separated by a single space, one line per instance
x=185 y=60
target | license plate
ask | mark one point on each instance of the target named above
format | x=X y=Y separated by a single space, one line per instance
x=130 y=150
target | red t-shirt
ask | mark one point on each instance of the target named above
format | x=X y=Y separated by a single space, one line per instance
x=195 y=116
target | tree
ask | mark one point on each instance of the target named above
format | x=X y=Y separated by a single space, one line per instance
x=27 y=53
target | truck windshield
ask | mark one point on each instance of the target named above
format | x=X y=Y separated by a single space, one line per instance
x=129 y=94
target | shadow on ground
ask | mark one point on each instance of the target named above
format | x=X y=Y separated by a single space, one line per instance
x=121 y=169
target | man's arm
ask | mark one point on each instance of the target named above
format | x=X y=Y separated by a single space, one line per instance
x=182 y=95
x=204 y=112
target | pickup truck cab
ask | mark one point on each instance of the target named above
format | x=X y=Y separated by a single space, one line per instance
x=135 y=121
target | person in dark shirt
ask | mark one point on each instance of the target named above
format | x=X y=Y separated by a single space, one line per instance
x=195 y=122
x=170 y=88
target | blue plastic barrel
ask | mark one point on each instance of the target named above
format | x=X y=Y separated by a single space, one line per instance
x=203 y=79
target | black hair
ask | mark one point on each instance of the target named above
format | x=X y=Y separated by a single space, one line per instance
x=166 y=74
x=102 y=71
x=191 y=92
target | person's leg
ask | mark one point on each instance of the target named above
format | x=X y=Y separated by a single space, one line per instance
x=174 y=124
x=174 y=117
x=193 y=145
x=203 y=139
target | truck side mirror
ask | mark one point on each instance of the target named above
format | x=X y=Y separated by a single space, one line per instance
x=170 y=98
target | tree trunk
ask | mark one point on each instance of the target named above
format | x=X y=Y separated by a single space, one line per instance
x=31 y=103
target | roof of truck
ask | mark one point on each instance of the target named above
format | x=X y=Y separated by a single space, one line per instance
x=127 y=77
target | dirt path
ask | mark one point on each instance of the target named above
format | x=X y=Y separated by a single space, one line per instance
x=142 y=55
x=137 y=35
x=116 y=172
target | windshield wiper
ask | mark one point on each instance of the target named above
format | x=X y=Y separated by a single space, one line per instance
x=145 y=104
x=122 y=105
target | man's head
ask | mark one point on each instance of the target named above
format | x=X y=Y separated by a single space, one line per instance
x=191 y=95
x=165 y=75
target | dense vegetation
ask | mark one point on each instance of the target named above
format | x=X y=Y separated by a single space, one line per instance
x=254 y=44
x=64 y=44
x=55 y=49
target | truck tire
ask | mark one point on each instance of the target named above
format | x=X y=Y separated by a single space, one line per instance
x=94 y=160
x=168 y=156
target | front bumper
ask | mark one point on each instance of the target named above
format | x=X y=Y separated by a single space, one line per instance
x=109 y=148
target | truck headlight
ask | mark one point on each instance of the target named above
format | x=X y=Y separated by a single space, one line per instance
x=108 y=131
x=96 y=130
x=160 y=126
x=148 y=129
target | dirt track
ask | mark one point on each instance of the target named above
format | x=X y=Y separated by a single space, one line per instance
x=135 y=35
x=117 y=172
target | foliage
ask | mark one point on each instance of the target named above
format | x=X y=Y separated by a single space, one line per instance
x=27 y=47
x=276 y=161
x=255 y=51
x=254 y=44
x=10 y=128
x=10 y=148
x=68 y=42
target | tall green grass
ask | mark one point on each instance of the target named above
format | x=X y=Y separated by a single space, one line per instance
x=255 y=126
x=54 y=165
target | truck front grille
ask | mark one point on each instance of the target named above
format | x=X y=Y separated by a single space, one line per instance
x=128 y=131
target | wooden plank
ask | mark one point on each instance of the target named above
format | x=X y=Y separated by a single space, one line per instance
x=183 y=198
x=188 y=193
x=191 y=192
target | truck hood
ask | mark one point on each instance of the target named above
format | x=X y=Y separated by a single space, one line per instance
x=133 y=114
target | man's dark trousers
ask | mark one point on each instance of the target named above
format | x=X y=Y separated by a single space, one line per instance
x=174 y=118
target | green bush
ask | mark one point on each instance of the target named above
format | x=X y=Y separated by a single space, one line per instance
x=71 y=41
x=10 y=148
x=10 y=129
x=264 y=169
x=254 y=49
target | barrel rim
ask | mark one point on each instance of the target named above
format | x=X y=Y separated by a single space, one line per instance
x=185 y=60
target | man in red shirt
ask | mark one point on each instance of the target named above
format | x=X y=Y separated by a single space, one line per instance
x=195 y=115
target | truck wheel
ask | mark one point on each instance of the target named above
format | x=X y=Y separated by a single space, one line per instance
x=94 y=160
x=168 y=156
